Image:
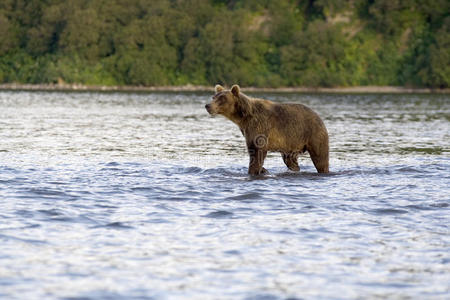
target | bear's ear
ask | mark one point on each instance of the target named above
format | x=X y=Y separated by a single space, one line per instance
x=218 y=88
x=235 y=89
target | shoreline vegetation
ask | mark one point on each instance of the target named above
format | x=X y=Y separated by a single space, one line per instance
x=204 y=88
x=147 y=45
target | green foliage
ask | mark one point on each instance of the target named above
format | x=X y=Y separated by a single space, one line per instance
x=316 y=57
x=77 y=70
x=252 y=42
x=285 y=22
x=427 y=62
x=8 y=36
x=21 y=67
x=440 y=57
x=393 y=16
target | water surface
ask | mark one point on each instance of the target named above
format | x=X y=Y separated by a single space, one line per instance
x=145 y=196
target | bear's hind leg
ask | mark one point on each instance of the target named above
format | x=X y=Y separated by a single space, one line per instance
x=320 y=161
x=291 y=161
x=319 y=152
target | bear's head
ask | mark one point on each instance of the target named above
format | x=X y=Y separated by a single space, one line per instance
x=230 y=103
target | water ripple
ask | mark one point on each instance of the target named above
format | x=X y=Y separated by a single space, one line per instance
x=142 y=196
x=219 y=214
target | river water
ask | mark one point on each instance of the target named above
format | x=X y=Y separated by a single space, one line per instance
x=146 y=196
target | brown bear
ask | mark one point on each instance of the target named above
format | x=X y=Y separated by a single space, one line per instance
x=267 y=126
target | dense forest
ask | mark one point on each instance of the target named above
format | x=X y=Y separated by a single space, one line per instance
x=261 y=43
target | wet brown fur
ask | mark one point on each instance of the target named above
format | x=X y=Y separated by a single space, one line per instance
x=267 y=126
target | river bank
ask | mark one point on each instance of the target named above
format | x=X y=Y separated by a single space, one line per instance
x=197 y=88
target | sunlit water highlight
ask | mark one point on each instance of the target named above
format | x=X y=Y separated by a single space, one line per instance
x=145 y=196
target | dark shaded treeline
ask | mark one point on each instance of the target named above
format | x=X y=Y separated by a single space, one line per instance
x=263 y=43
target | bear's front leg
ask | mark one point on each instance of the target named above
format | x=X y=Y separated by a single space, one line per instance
x=257 y=156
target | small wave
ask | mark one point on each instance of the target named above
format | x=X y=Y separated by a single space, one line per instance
x=142 y=189
x=409 y=169
x=264 y=297
x=365 y=171
x=115 y=225
x=189 y=170
x=111 y=149
x=51 y=212
x=440 y=205
x=226 y=172
x=47 y=192
x=25 y=213
x=232 y=252
x=55 y=215
x=28 y=241
x=7 y=182
x=158 y=221
x=102 y=294
x=389 y=211
x=246 y=196
x=387 y=170
x=58 y=182
x=419 y=207
x=309 y=207
x=424 y=150
x=219 y=214
x=106 y=206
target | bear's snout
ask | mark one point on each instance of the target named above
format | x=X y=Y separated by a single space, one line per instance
x=208 y=108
